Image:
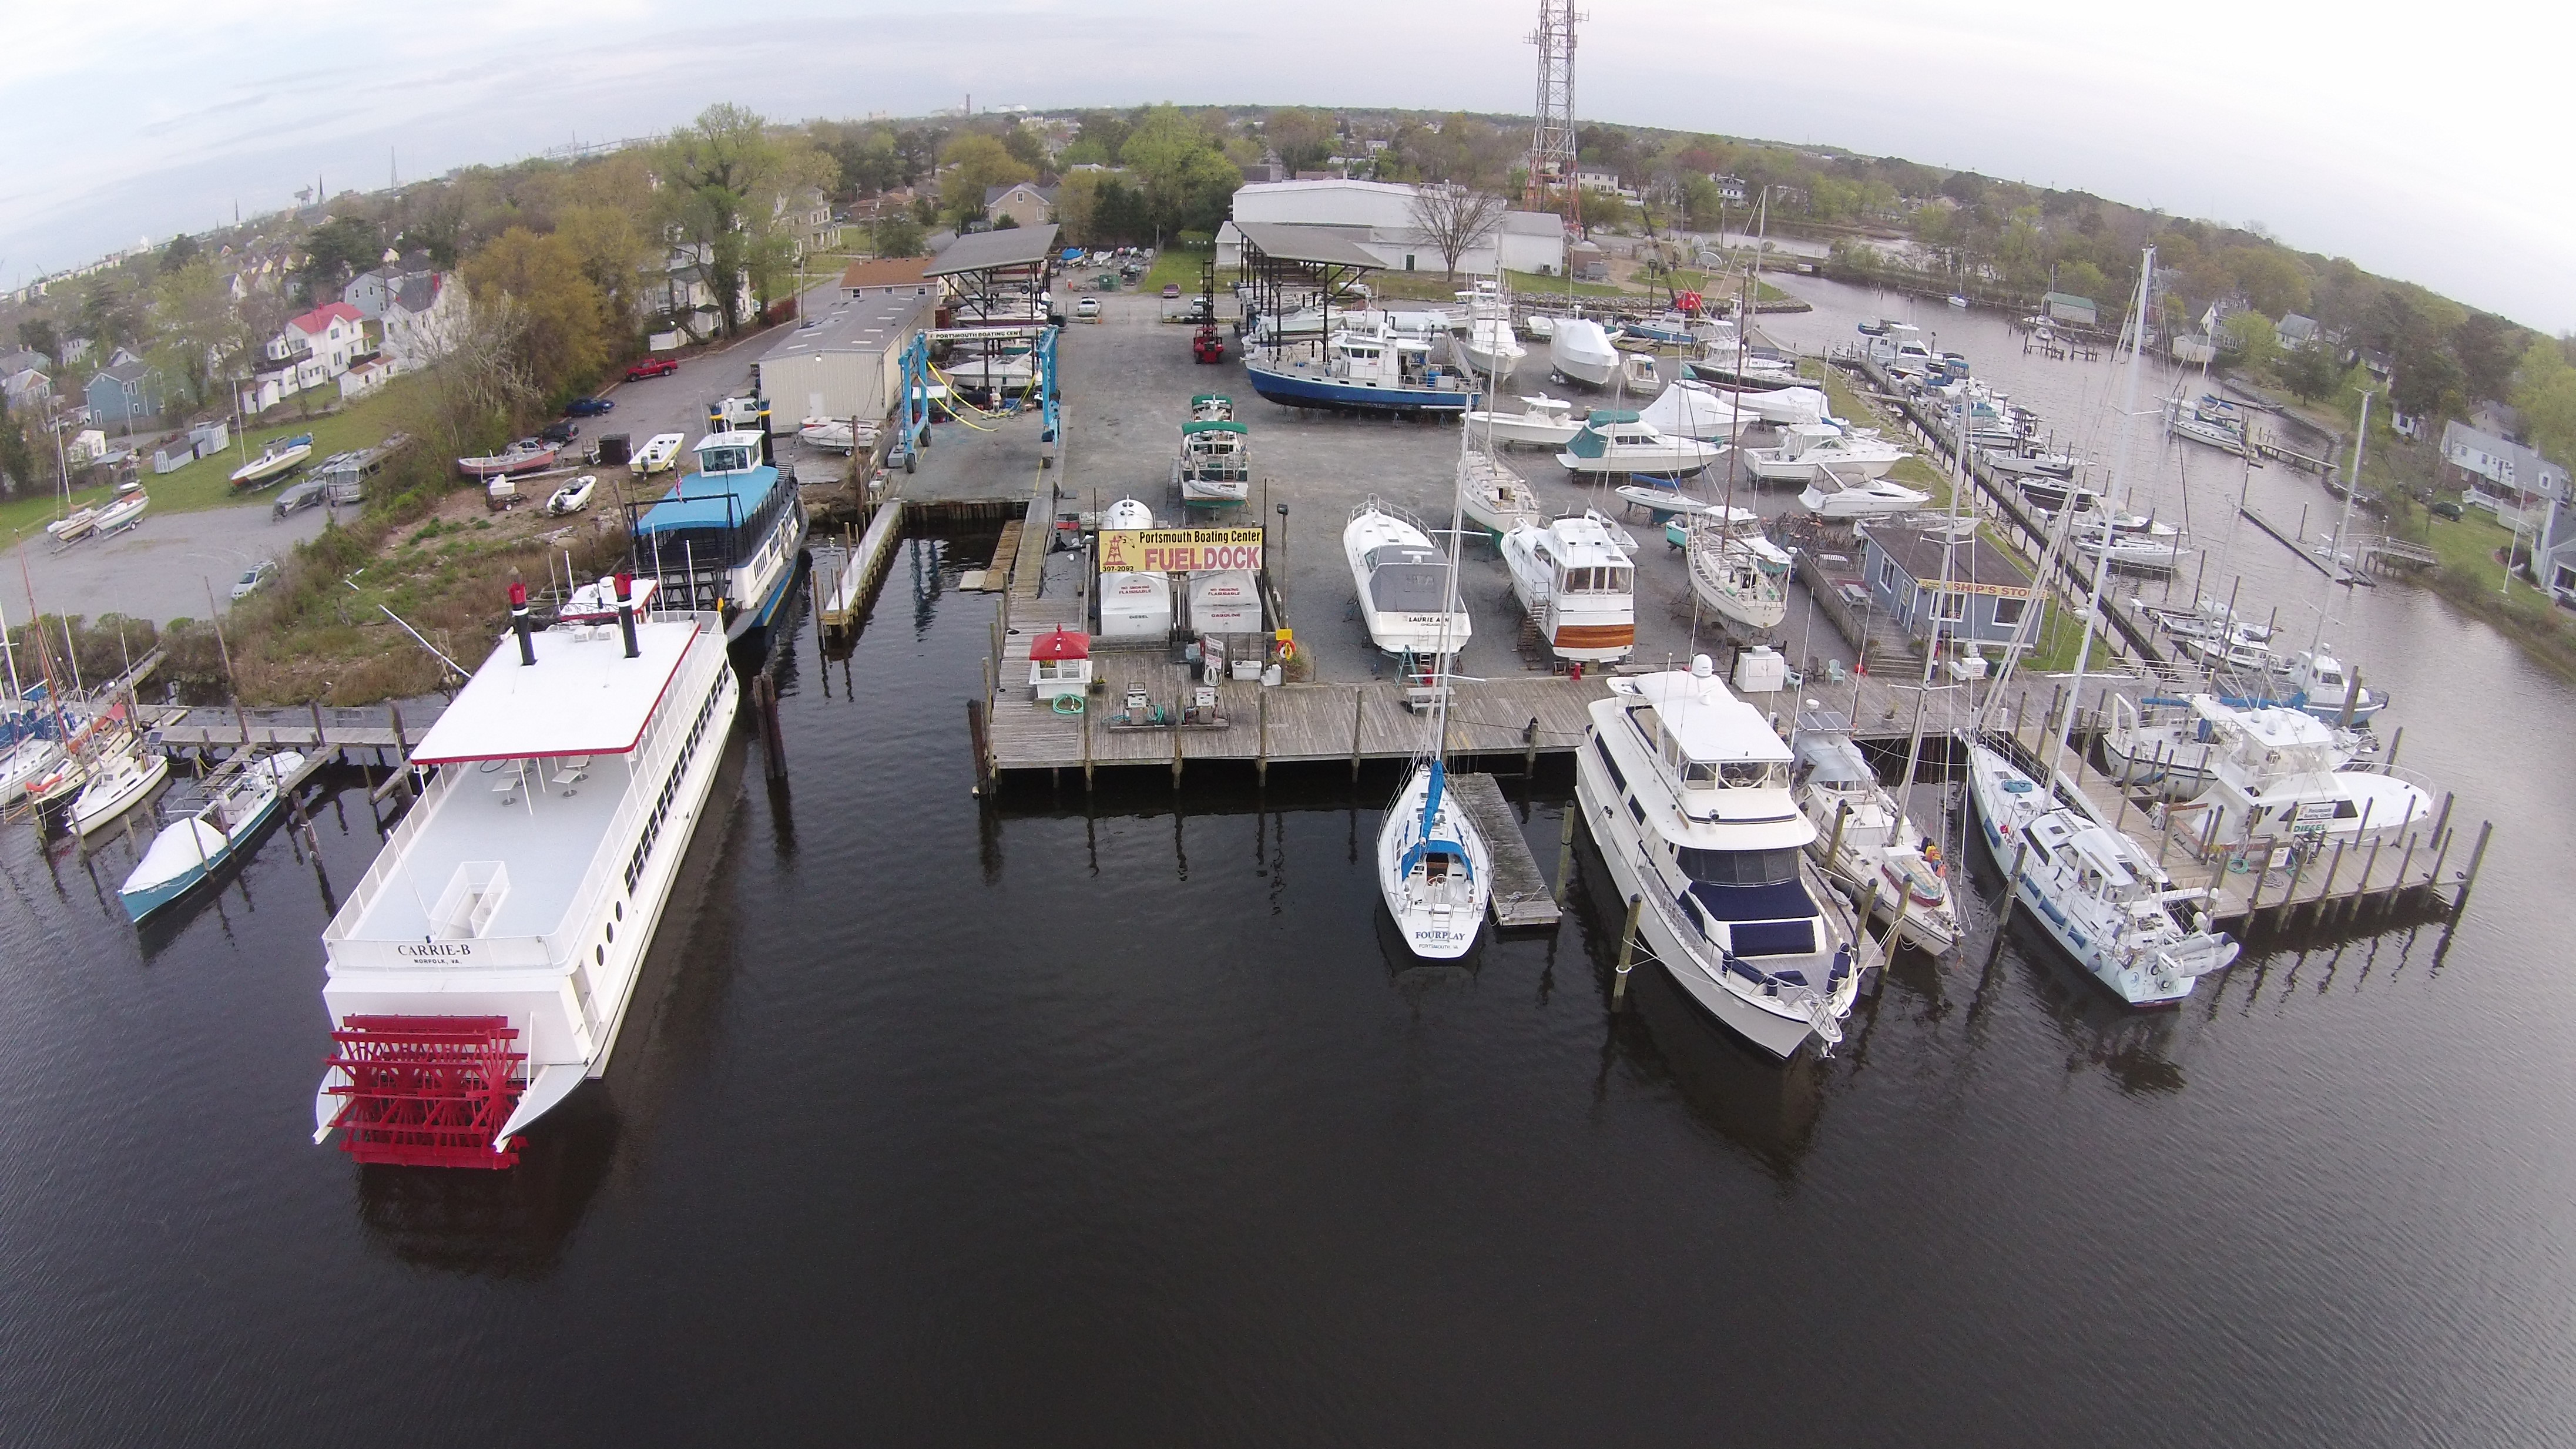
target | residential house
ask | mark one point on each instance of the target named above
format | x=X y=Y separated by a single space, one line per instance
x=2068 y=307
x=2377 y=363
x=807 y=217
x=684 y=291
x=884 y=274
x=87 y=447
x=423 y=313
x=2503 y=477
x=123 y=395
x=370 y=291
x=1982 y=603
x=366 y=377
x=2553 y=563
x=1592 y=179
x=25 y=359
x=307 y=352
x=1730 y=189
x=1026 y=203
x=2296 y=331
x=25 y=388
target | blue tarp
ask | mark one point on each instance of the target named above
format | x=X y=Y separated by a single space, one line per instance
x=700 y=501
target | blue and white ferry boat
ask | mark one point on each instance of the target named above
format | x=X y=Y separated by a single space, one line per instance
x=725 y=539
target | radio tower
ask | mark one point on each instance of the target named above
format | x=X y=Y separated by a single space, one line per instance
x=1551 y=156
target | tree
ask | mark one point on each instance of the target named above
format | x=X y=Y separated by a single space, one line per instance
x=1302 y=139
x=37 y=334
x=109 y=313
x=2426 y=384
x=182 y=250
x=1187 y=180
x=2311 y=372
x=1455 y=219
x=724 y=175
x=1026 y=147
x=1102 y=137
x=2273 y=284
x=560 y=344
x=2545 y=394
x=17 y=459
x=895 y=235
x=613 y=253
x=2488 y=347
x=2251 y=336
x=195 y=334
x=339 y=249
x=979 y=163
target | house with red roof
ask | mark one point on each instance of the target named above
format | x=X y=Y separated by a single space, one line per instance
x=307 y=352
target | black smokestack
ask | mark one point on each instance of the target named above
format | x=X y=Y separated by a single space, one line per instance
x=626 y=611
x=519 y=623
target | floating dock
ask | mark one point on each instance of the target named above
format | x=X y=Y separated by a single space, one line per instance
x=1518 y=894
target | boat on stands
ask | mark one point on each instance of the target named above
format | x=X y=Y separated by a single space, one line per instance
x=528 y=455
x=1732 y=577
x=1774 y=407
x=1805 y=449
x=1579 y=351
x=1577 y=586
x=1687 y=409
x=1488 y=348
x=1686 y=792
x=837 y=435
x=121 y=780
x=240 y=798
x=1403 y=581
x=1618 y=441
x=2143 y=550
x=2097 y=893
x=484 y=967
x=276 y=460
x=1542 y=422
x=725 y=540
x=1865 y=842
x=1495 y=498
x=1838 y=496
x=2211 y=421
x=1215 y=465
x=1366 y=372
x=1759 y=370
x=74 y=526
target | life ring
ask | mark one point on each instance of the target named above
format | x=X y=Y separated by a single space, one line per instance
x=1062 y=700
x=1287 y=651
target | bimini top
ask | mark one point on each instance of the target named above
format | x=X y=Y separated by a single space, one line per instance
x=583 y=696
x=1711 y=724
x=729 y=486
x=1216 y=426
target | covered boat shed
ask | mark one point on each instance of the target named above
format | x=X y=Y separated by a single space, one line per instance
x=1286 y=266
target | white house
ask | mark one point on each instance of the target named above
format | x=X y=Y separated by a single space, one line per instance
x=423 y=313
x=307 y=352
x=1380 y=218
x=2503 y=477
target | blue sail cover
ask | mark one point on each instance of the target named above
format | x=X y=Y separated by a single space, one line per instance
x=1425 y=842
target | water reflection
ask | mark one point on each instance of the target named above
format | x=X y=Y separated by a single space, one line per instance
x=510 y=1224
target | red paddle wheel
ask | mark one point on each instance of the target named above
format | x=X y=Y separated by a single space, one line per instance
x=426 y=1091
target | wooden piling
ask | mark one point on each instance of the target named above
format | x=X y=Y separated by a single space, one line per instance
x=318 y=736
x=976 y=738
x=2477 y=857
x=1565 y=849
x=2012 y=898
x=1086 y=743
x=1261 y=762
x=1359 y=708
x=1627 y=951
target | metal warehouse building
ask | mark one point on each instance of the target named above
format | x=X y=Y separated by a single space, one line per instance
x=846 y=362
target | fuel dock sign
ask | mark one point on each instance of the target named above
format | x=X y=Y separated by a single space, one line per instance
x=1179 y=550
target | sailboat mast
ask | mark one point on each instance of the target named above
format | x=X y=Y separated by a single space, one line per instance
x=1932 y=656
x=2111 y=500
x=2342 y=522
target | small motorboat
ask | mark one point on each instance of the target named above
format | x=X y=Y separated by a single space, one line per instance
x=125 y=512
x=574 y=496
x=1542 y=422
x=1837 y=496
x=118 y=784
x=832 y=435
x=275 y=461
x=1580 y=351
x=1807 y=449
x=1637 y=372
x=660 y=453
x=73 y=526
x=1215 y=464
x=192 y=848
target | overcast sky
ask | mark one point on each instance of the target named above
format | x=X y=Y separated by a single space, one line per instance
x=2425 y=142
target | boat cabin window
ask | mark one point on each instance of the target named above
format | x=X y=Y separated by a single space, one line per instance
x=725 y=460
x=2329 y=676
x=1608 y=579
x=1739 y=867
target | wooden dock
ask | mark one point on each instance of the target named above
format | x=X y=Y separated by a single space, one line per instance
x=845 y=576
x=314 y=729
x=1518 y=894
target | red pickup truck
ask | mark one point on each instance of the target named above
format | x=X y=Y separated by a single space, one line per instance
x=652 y=367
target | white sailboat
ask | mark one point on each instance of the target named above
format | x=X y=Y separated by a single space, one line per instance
x=1685 y=790
x=1434 y=869
x=117 y=784
x=1864 y=839
x=1497 y=498
x=1730 y=577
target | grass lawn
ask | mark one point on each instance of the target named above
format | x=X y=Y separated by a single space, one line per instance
x=1178 y=265
x=206 y=483
x=2470 y=546
x=1532 y=285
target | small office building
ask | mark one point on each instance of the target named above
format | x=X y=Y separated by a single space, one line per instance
x=1982 y=602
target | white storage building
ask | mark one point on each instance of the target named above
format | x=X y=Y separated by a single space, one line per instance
x=846 y=362
x=1380 y=218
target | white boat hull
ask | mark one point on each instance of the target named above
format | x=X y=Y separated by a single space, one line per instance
x=1439 y=920
x=1580 y=351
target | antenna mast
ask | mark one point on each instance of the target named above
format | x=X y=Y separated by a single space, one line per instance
x=1552 y=147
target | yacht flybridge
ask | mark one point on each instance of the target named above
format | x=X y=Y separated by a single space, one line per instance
x=482 y=969
x=1685 y=789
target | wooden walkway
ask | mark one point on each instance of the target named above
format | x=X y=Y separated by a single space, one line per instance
x=1518 y=893
x=312 y=729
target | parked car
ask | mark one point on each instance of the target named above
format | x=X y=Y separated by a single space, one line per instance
x=306 y=494
x=1171 y=291
x=560 y=432
x=252 y=577
x=2446 y=508
x=652 y=367
x=1088 y=309
x=589 y=407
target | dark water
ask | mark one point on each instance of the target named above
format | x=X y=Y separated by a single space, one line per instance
x=1129 y=1125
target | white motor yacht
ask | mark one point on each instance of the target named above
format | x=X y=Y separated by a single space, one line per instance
x=2148 y=552
x=1685 y=790
x=1846 y=496
x=1618 y=441
x=1403 y=583
x=2321 y=685
x=1580 y=351
x=1807 y=448
x=2100 y=896
x=483 y=968
x=1215 y=465
x=2281 y=775
x=1542 y=422
x=1864 y=839
x=1577 y=585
